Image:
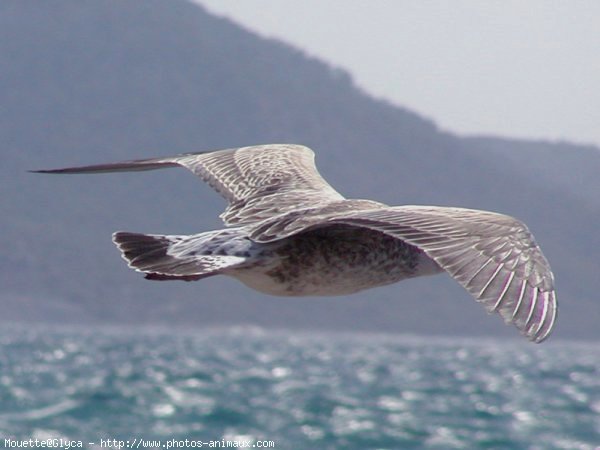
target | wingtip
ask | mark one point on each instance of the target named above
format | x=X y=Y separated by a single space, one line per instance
x=547 y=325
x=56 y=171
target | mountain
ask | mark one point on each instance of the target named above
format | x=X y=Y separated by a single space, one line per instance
x=96 y=81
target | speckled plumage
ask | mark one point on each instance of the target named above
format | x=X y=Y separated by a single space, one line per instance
x=335 y=260
x=291 y=233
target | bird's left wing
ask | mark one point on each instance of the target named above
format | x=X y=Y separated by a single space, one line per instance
x=258 y=182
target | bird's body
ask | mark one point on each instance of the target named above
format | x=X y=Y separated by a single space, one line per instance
x=332 y=261
x=336 y=260
x=290 y=233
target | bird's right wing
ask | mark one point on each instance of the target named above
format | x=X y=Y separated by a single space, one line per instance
x=493 y=256
x=258 y=182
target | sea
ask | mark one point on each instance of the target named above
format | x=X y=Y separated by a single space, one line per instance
x=245 y=387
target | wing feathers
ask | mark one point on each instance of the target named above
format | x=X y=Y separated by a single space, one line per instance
x=505 y=289
x=491 y=280
x=126 y=166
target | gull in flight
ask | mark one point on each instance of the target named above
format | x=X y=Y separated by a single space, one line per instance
x=290 y=233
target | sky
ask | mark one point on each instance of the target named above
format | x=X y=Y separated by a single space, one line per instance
x=526 y=69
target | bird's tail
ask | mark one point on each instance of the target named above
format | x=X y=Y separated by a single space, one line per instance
x=162 y=257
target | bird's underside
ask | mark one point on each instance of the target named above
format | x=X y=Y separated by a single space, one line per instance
x=291 y=233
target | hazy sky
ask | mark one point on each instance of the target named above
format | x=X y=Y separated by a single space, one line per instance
x=512 y=68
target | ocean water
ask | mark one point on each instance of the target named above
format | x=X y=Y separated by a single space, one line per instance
x=151 y=388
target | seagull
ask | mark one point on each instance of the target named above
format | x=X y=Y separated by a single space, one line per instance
x=289 y=233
